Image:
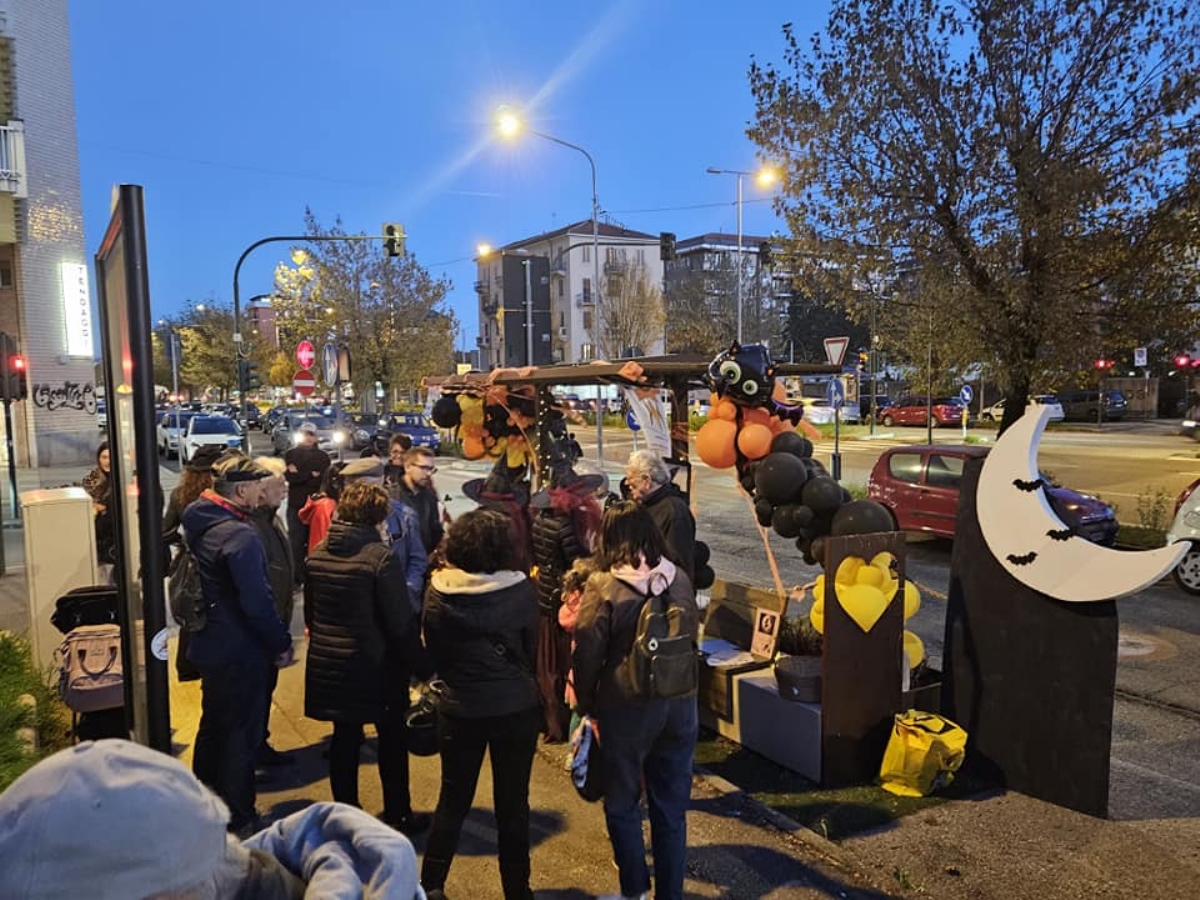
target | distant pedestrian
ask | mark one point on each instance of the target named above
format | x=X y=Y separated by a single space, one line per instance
x=306 y=464
x=98 y=484
x=645 y=741
x=481 y=625
x=574 y=450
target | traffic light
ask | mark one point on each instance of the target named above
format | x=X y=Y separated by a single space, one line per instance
x=12 y=370
x=1182 y=361
x=253 y=381
x=863 y=358
x=393 y=239
x=764 y=255
x=666 y=245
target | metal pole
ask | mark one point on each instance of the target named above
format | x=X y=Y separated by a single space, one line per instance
x=871 y=362
x=739 y=257
x=929 y=386
x=528 y=313
x=174 y=339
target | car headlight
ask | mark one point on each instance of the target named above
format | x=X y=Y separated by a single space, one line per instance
x=339 y=437
x=1188 y=423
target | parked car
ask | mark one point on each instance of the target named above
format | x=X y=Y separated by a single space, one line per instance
x=360 y=429
x=817 y=411
x=252 y=417
x=1186 y=527
x=995 y=412
x=283 y=438
x=170 y=430
x=202 y=431
x=1084 y=406
x=271 y=419
x=911 y=411
x=101 y=414
x=919 y=485
x=413 y=424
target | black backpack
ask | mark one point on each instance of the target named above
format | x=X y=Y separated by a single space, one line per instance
x=184 y=593
x=664 y=659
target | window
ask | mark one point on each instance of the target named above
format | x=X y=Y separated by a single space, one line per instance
x=587 y=290
x=944 y=471
x=640 y=255
x=587 y=321
x=587 y=253
x=562 y=319
x=5 y=275
x=561 y=289
x=611 y=254
x=905 y=467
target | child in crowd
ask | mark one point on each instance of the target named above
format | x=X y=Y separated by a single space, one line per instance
x=572 y=592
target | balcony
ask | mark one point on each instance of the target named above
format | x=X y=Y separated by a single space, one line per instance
x=491 y=308
x=615 y=267
x=481 y=287
x=585 y=298
x=13 y=178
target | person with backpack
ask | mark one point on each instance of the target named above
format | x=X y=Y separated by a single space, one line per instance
x=635 y=675
x=481 y=621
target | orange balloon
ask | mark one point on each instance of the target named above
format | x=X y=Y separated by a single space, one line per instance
x=725 y=409
x=714 y=443
x=713 y=399
x=472 y=447
x=755 y=415
x=754 y=441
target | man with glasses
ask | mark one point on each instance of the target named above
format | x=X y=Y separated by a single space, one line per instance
x=415 y=489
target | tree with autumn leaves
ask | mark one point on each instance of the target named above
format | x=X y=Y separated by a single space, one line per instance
x=1009 y=185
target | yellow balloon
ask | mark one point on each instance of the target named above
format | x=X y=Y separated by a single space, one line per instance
x=848 y=570
x=888 y=586
x=912 y=599
x=816 y=617
x=819 y=588
x=863 y=603
x=870 y=575
x=883 y=561
x=914 y=649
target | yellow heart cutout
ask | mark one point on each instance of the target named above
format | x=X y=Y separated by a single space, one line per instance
x=863 y=603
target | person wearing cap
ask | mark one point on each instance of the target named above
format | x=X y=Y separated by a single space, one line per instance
x=113 y=820
x=305 y=465
x=242 y=639
x=280 y=573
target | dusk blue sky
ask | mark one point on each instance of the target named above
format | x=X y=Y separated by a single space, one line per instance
x=235 y=115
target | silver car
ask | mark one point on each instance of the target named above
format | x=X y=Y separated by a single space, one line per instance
x=286 y=433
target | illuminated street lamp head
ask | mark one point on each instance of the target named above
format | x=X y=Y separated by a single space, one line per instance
x=483 y=250
x=200 y=307
x=508 y=123
x=766 y=176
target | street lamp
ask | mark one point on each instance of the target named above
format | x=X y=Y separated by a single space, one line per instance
x=510 y=125
x=765 y=177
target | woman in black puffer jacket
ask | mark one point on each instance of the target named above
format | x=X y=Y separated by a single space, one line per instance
x=361 y=627
x=481 y=620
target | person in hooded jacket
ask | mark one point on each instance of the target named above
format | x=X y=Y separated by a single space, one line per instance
x=361 y=625
x=650 y=740
x=481 y=622
x=648 y=481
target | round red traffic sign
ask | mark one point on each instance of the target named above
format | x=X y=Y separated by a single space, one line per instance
x=303 y=382
x=306 y=354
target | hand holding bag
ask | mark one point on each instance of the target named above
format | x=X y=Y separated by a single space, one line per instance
x=587 y=761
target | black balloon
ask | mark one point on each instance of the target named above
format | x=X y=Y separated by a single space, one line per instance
x=763 y=511
x=861 y=517
x=779 y=478
x=702 y=555
x=446 y=413
x=705 y=577
x=802 y=515
x=790 y=442
x=818 y=550
x=821 y=494
x=803 y=543
x=784 y=522
x=815 y=467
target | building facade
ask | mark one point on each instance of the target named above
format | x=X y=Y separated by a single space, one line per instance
x=45 y=275
x=260 y=322
x=570 y=313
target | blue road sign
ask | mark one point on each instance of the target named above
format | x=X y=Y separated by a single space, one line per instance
x=329 y=362
x=632 y=422
x=966 y=395
x=836 y=393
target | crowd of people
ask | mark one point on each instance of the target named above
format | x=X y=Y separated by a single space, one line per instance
x=524 y=609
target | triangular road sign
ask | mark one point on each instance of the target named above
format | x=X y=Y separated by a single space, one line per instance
x=835 y=349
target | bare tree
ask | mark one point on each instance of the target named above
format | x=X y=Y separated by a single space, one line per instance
x=632 y=315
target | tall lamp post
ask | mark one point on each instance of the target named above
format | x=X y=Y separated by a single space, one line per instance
x=765 y=178
x=510 y=125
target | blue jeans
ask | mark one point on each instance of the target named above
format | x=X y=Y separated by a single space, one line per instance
x=655 y=741
x=232 y=699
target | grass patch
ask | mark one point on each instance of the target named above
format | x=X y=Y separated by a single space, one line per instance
x=834 y=814
x=18 y=676
x=1139 y=537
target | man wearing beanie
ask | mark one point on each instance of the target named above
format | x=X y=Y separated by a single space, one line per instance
x=113 y=820
x=243 y=637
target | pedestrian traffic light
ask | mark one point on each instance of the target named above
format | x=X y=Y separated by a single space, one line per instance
x=393 y=239
x=666 y=245
x=1182 y=361
x=863 y=359
x=764 y=255
x=253 y=381
x=18 y=386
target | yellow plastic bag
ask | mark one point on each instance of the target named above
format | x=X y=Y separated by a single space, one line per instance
x=923 y=753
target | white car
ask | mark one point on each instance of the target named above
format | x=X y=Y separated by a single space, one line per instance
x=995 y=412
x=204 y=430
x=817 y=411
x=170 y=429
x=1186 y=527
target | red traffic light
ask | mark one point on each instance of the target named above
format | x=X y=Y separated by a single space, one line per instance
x=17 y=364
x=1183 y=360
x=1105 y=363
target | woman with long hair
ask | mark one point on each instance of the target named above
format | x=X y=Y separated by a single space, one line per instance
x=98 y=484
x=481 y=620
x=642 y=739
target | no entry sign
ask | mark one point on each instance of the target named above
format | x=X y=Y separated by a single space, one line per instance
x=303 y=382
x=306 y=354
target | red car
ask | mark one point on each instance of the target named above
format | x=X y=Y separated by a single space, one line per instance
x=919 y=486
x=911 y=411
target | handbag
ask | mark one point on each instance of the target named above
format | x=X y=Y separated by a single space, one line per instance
x=922 y=755
x=587 y=761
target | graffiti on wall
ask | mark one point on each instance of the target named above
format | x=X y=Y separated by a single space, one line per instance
x=65 y=395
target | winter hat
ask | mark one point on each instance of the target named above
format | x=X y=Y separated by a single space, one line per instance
x=204 y=457
x=363 y=467
x=109 y=819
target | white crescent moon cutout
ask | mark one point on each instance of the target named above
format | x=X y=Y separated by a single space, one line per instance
x=1035 y=546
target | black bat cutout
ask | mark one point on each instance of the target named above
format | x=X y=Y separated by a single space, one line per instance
x=1061 y=535
x=1028 y=486
x=1022 y=560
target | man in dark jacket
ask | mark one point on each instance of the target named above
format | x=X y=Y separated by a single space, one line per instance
x=242 y=640
x=416 y=490
x=305 y=466
x=649 y=482
x=281 y=575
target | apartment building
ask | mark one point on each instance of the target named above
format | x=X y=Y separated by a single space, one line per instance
x=45 y=272
x=558 y=272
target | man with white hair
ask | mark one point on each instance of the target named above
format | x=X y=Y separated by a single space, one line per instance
x=242 y=639
x=648 y=481
x=113 y=820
